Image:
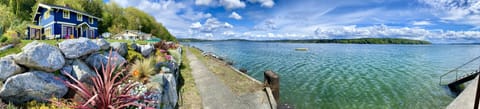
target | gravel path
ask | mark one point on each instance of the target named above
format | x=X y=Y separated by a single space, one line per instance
x=6 y=47
x=215 y=94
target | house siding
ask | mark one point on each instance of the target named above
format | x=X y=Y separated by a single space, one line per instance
x=47 y=21
x=56 y=21
x=73 y=19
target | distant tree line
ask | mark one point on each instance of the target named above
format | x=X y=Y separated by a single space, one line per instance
x=359 y=41
x=343 y=41
x=17 y=14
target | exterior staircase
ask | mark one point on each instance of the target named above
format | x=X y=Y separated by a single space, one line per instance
x=461 y=75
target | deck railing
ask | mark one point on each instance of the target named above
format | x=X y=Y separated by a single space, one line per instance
x=459 y=72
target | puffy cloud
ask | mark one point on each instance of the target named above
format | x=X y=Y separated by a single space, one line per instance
x=232 y=4
x=227 y=25
x=235 y=15
x=383 y=31
x=211 y=25
x=203 y=2
x=265 y=3
x=266 y=25
x=421 y=23
x=456 y=11
x=196 y=25
x=227 y=4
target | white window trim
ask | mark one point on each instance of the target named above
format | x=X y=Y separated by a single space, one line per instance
x=61 y=30
x=90 y=20
x=48 y=28
x=66 y=23
x=67 y=16
x=49 y=24
x=81 y=17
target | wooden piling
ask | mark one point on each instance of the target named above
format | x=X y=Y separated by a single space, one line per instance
x=272 y=80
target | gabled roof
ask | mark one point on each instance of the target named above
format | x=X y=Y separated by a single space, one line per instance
x=49 y=6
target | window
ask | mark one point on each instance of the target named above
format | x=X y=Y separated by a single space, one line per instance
x=47 y=14
x=66 y=14
x=48 y=32
x=91 y=20
x=79 y=17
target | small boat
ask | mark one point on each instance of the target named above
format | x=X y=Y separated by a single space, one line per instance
x=301 y=49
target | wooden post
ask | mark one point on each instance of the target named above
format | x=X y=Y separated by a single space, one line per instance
x=272 y=80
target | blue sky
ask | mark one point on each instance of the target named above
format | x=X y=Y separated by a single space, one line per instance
x=439 y=21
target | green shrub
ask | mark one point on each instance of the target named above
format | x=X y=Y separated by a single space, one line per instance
x=7 y=106
x=3 y=39
x=11 y=39
x=133 y=55
x=38 y=105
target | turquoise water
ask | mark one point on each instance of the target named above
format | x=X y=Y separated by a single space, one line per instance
x=349 y=76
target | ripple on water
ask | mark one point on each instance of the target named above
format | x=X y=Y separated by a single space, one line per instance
x=351 y=75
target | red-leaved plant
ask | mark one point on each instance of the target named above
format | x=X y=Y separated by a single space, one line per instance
x=105 y=93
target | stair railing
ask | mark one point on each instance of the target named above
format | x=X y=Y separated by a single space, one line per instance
x=457 y=69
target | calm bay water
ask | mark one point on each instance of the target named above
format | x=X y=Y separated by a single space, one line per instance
x=351 y=75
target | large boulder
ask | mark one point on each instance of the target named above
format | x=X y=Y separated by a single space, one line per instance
x=146 y=50
x=102 y=43
x=164 y=91
x=10 y=56
x=74 y=48
x=96 y=60
x=135 y=47
x=8 y=68
x=35 y=85
x=40 y=56
x=120 y=47
x=82 y=72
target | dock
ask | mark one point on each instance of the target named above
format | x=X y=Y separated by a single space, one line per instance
x=461 y=75
x=466 y=98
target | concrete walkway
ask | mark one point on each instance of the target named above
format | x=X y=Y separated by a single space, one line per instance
x=215 y=94
x=6 y=47
x=466 y=98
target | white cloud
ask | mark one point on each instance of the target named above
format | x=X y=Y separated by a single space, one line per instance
x=421 y=23
x=203 y=2
x=235 y=15
x=211 y=25
x=196 y=25
x=227 y=4
x=456 y=11
x=266 y=25
x=227 y=25
x=232 y=4
x=265 y=3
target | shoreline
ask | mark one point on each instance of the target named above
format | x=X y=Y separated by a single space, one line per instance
x=223 y=60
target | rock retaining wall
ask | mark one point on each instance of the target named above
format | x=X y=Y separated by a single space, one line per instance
x=33 y=73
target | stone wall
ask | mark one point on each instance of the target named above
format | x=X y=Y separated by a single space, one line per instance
x=33 y=74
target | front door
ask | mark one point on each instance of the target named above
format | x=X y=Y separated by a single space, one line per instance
x=69 y=32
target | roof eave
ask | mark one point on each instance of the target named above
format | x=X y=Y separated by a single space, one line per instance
x=57 y=7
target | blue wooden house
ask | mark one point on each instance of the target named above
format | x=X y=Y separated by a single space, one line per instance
x=53 y=21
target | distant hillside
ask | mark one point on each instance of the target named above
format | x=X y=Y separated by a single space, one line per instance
x=205 y=40
x=343 y=41
x=358 y=41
